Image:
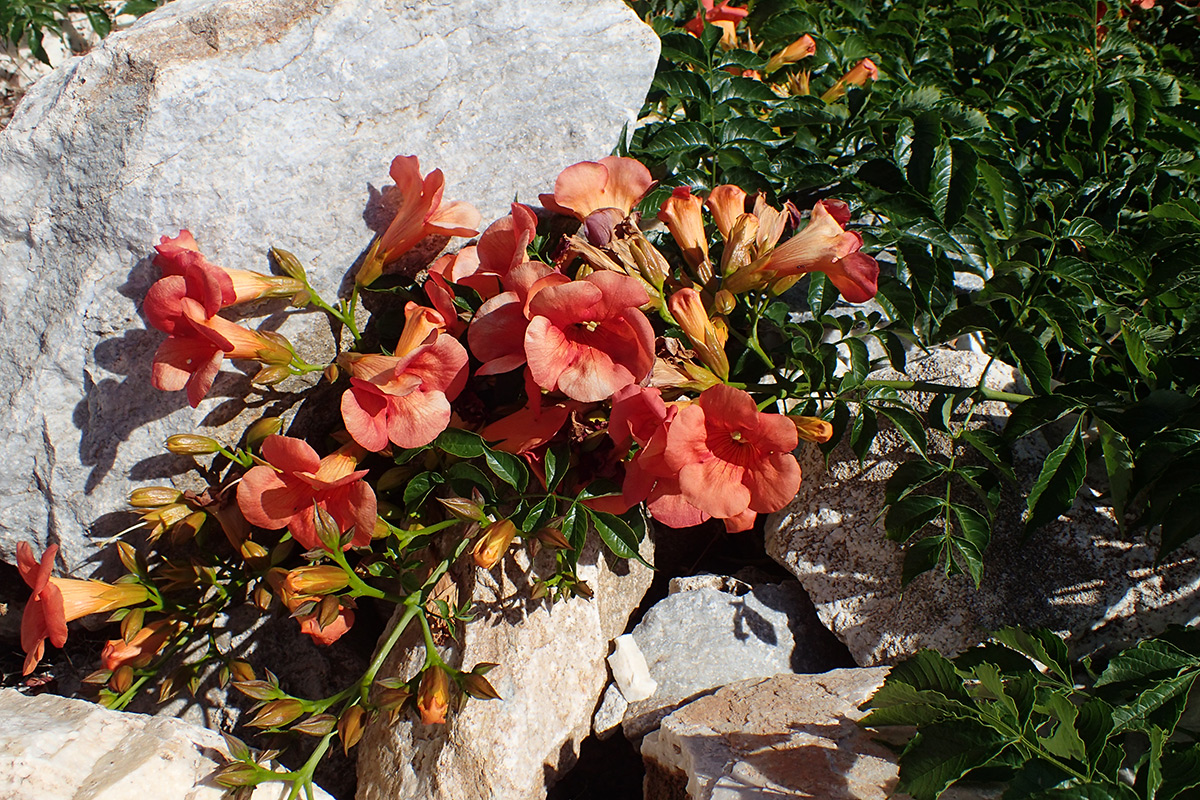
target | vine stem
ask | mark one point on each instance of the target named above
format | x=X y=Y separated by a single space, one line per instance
x=925 y=386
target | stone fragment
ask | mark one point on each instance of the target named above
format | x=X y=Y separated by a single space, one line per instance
x=629 y=669
x=697 y=641
x=252 y=123
x=550 y=675
x=53 y=748
x=786 y=736
x=1076 y=575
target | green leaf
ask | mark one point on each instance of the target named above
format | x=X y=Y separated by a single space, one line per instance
x=927 y=135
x=508 y=468
x=464 y=475
x=909 y=515
x=1063 y=740
x=684 y=48
x=975 y=526
x=909 y=426
x=1133 y=715
x=458 y=442
x=943 y=753
x=954 y=179
x=1031 y=357
x=1185 y=209
x=1145 y=660
x=1036 y=412
x=1181 y=772
x=991 y=446
x=930 y=670
x=557 y=462
x=862 y=431
x=1181 y=520
x=910 y=475
x=860 y=363
x=681 y=83
x=1118 y=460
x=920 y=557
x=1041 y=645
x=617 y=535
x=419 y=487
x=1003 y=200
x=1057 y=484
x=898 y=703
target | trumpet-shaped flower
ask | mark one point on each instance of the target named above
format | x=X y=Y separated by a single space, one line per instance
x=501 y=249
x=726 y=203
x=405 y=398
x=57 y=601
x=221 y=287
x=682 y=214
x=497 y=332
x=724 y=15
x=420 y=212
x=823 y=246
x=611 y=182
x=587 y=338
x=798 y=50
x=858 y=75
x=141 y=649
x=310 y=624
x=730 y=457
x=287 y=491
x=707 y=340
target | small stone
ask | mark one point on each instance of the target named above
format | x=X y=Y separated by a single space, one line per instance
x=629 y=669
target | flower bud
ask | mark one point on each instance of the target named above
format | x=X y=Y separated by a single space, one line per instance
x=739 y=249
x=153 y=496
x=862 y=72
x=328 y=530
x=271 y=375
x=241 y=670
x=257 y=433
x=331 y=373
x=288 y=264
x=479 y=687
x=812 y=429
x=493 y=542
x=277 y=713
x=188 y=527
x=553 y=539
x=190 y=444
x=433 y=698
x=724 y=302
x=258 y=690
x=464 y=509
x=322 y=579
x=798 y=50
x=236 y=774
x=122 y=679
x=350 y=727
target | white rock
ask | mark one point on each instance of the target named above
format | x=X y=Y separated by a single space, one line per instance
x=1076 y=575
x=551 y=674
x=629 y=669
x=252 y=123
x=52 y=748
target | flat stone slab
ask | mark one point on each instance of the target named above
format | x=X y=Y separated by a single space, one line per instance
x=54 y=748
x=252 y=123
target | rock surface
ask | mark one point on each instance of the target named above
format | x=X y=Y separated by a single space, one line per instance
x=787 y=736
x=1076 y=575
x=702 y=638
x=52 y=748
x=252 y=123
x=782 y=736
x=552 y=670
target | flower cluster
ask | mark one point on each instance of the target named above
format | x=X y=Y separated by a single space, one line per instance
x=574 y=367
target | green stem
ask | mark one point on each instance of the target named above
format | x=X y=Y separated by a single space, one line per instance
x=358 y=584
x=412 y=609
x=925 y=386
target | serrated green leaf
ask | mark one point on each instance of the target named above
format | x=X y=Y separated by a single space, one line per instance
x=898 y=703
x=909 y=515
x=922 y=556
x=1041 y=645
x=1185 y=209
x=954 y=179
x=682 y=84
x=1063 y=740
x=909 y=426
x=1133 y=715
x=929 y=670
x=991 y=446
x=1031 y=357
x=943 y=753
x=910 y=475
x=1057 y=484
x=1118 y=461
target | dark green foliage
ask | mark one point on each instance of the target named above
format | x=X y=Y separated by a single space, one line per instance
x=1048 y=731
x=1010 y=140
x=29 y=21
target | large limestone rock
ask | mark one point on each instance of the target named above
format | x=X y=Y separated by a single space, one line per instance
x=1076 y=575
x=252 y=123
x=552 y=670
x=52 y=748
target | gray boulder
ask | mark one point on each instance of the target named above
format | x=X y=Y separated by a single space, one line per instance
x=252 y=123
x=1077 y=575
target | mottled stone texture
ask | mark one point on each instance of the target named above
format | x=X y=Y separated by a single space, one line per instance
x=52 y=748
x=783 y=736
x=552 y=670
x=1076 y=575
x=253 y=123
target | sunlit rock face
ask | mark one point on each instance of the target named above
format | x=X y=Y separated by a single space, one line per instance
x=252 y=123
